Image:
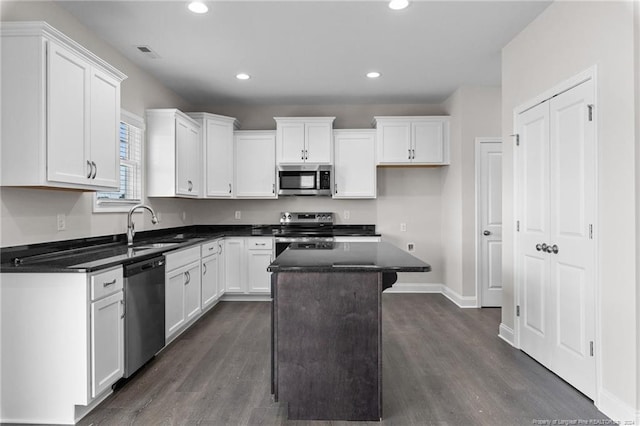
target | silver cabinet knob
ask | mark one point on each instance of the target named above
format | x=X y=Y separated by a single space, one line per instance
x=554 y=249
x=539 y=247
x=486 y=233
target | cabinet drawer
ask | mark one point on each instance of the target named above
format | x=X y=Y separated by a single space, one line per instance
x=180 y=258
x=106 y=283
x=260 y=243
x=211 y=247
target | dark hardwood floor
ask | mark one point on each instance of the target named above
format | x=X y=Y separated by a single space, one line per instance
x=442 y=365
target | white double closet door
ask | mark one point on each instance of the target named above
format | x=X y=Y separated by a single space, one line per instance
x=555 y=260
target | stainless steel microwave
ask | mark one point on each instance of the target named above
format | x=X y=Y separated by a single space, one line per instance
x=305 y=179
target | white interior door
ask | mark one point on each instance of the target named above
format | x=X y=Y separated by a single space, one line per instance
x=556 y=172
x=572 y=170
x=533 y=263
x=490 y=222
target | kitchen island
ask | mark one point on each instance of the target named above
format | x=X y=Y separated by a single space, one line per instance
x=326 y=327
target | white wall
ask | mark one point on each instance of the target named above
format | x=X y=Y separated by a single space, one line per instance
x=475 y=112
x=637 y=105
x=567 y=38
x=29 y=215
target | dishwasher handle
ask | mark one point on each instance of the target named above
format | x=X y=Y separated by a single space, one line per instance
x=144 y=266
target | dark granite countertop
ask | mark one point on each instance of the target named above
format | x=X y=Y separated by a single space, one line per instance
x=96 y=253
x=349 y=257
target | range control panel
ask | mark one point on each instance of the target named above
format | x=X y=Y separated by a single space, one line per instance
x=306 y=217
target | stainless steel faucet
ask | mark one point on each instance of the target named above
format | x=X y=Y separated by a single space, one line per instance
x=131 y=227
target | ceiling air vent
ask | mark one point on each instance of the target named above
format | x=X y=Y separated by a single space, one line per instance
x=148 y=52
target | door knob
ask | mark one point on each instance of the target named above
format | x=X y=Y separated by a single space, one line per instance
x=486 y=233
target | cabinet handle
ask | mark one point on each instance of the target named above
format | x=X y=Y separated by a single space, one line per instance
x=220 y=246
x=210 y=248
x=109 y=283
x=90 y=169
x=306 y=154
x=204 y=269
x=261 y=244
x=187 y=276
x=95 y=170
x=409 y=158
x=555 y=249
x=335 y=188
x=229 y=188
x=190 y=185
x=123 y=309
x=273 y=188
x=302 y=154
x=413 y=154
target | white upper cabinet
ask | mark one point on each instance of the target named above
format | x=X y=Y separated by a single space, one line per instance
x=61 y=111
x=413 y=140
x=173 y=154
x=355 y=164
x=304 y=140
x=217 y=153
x=255 y=164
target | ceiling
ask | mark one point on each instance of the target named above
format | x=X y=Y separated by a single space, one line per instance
x=312 y=52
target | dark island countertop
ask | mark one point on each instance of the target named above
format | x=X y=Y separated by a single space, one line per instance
x=349 y=257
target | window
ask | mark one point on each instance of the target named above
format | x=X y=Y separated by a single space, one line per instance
x=131 y=137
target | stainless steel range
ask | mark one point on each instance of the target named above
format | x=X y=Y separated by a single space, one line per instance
x=302 y=230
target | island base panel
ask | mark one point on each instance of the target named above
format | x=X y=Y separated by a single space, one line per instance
x=328 y=344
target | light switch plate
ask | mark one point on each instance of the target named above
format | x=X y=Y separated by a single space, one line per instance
x=238 y=215
x=62 y=221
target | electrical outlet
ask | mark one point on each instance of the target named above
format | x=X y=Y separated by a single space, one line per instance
x=411 y=247
x=238 y=215
x=62 y=222
x=346 y=214
x=403 y=227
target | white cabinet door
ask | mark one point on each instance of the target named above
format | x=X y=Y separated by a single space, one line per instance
x=318 y=142
x=259 y=279
x=67 y=117
x=107 y=342
x=394 y=142
x=291 y=144
x=234 y=265
x=304 y=140
x=187 y=158
x=355 y=164
x=255 y=164
x=174 y=302
x=210 y=276
x=219 y=159
x=413 y=140
x=105 y=125
x=192 y=289
x=428 y=142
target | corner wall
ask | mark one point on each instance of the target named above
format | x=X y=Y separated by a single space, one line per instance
x=566 y=39
x=474 y=113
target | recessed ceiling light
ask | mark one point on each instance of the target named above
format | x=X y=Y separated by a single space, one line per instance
x=373 y=74
x=198 y=7
x=243 y=76
x=398 y=4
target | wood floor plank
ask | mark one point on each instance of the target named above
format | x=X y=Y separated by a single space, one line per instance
x=442 y=365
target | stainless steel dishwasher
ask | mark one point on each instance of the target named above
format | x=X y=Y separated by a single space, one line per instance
x=144 y=298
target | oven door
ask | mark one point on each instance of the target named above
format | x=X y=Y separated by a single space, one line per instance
x=301 y=243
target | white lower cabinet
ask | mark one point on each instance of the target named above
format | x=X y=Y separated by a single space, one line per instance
x=259 y=256
x=212 y=273
x=62 y=344
x=246 y=261
x=182 y=290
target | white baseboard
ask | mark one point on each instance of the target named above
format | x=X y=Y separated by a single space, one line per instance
x=415 y=288
x=507 y=334
x=245 y=298
x=616 y=409
x=461 y=301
